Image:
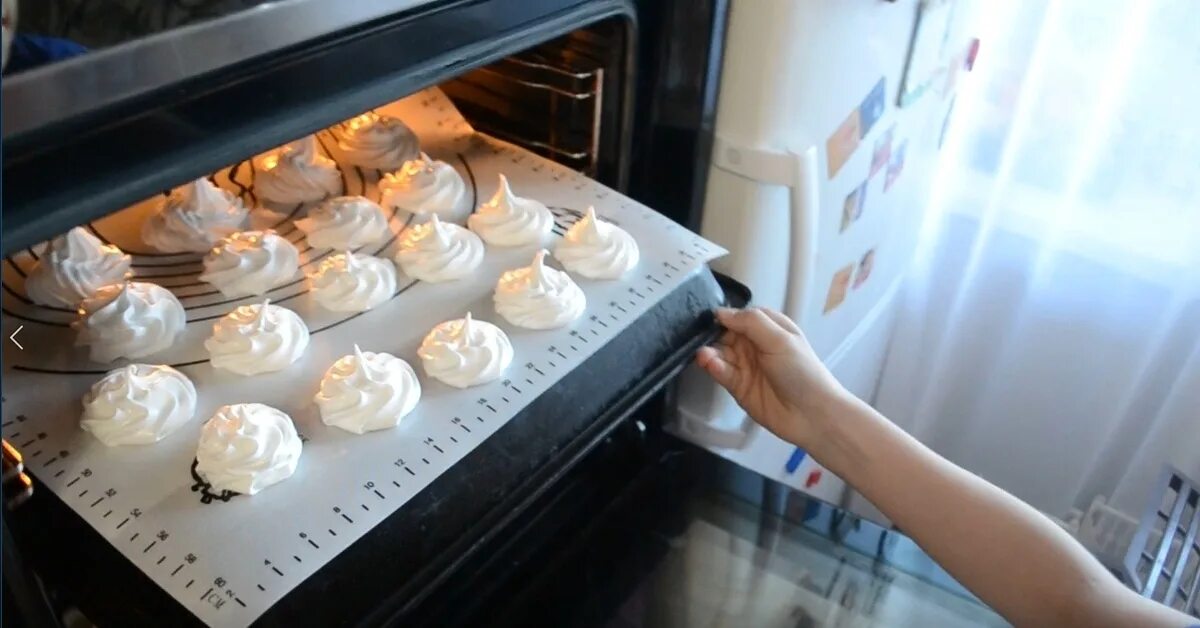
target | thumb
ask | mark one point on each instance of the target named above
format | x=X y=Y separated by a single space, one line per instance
x=763 y=332
x=713 y=363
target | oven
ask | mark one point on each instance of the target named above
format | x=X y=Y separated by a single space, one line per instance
x=617 y=91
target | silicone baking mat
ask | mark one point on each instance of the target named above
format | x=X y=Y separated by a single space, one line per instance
x=229 y=558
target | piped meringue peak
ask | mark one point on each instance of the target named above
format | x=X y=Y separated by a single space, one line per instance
x=255 y=339
x=353 y=283
x=73 y=267
x=597 y=249
x=131 y=319
x=465 y=352
x=509 y=220
x=250 y=263
x=193 y=217
x=374 y=141
x=344 y=222
x=296 y=173
x=424 y=186
x=138 y=404
x=439 y=251
x=246 y=447
x=367 y=391
x=538 y=297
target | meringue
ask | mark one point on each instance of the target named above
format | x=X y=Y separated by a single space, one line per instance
x=255 y=339
x=344 y=222
x=74 y=266
x=193 y=217
x=250 y=262
x=296 y=173
x=597 y=249
x=246 y=447
x=509 y=220
x=439 y=251
x=353 y=283
x=465 y=352
x=537 y=297
x=138 y=404
x=374 y=141
x=129 y=320
x=424 y=186
x=366 y=391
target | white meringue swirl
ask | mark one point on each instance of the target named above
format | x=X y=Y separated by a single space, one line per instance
x=597 y=249
x=439 y=251
x=509 y=220
x=537 y=297
x=255 y=339
x=246 y=447
x=344 y=222
x=296 y=173
x=138 y=404
x=367 y=391
x=128 y=320
x=73 y=267
x=374 y=141
x=353 y=283
x=465 y=352
x=424 y=186
x=250 y=262
x=194 y=217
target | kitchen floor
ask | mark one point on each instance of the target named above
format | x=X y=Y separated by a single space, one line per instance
x=734 y=565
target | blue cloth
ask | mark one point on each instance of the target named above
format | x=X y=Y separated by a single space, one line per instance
x=31 y=51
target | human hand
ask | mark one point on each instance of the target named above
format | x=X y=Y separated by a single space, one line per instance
x=764 y=361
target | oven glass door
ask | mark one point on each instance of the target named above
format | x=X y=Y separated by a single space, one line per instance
x=697 y=541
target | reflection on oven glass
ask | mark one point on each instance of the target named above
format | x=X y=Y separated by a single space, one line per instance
x=46 y=31
x=734 y=565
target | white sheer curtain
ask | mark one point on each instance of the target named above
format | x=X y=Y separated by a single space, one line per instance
x=1050 y=334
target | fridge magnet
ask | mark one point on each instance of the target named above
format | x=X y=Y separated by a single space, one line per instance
x=842 y=143
x=871 y=109
x=865 y=265
x=883 y=151
x=838 y=288
x=926 y=49
x=853 y=206
x=952 y=71
x=895 y=166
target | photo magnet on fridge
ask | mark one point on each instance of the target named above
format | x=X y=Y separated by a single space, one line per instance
x=896 y=166
x=853 y=206
x=842 y=143
x=871 y=109
x=838 y=288
x=883 y=151
x=865 y=265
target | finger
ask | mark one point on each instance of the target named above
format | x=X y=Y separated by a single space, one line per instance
x=782 y=320
x=709 y=359
x=754 y=324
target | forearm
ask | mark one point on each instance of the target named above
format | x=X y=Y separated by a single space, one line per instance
x=1012 y=557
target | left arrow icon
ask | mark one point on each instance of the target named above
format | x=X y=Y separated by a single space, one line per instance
x=13 y=337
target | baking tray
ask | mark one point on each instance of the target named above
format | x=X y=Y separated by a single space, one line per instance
x=442 y=535
x=228 y=561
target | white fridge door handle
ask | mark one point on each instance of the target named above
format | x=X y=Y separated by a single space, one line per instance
x=704 y=410
x=806 y=213
x=798 y=171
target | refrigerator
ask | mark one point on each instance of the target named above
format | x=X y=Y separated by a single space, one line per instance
x=829 y=120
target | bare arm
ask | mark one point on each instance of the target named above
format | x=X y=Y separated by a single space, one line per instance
x=1016 y=560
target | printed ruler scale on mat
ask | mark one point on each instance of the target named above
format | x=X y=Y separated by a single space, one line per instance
x=229 y=561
